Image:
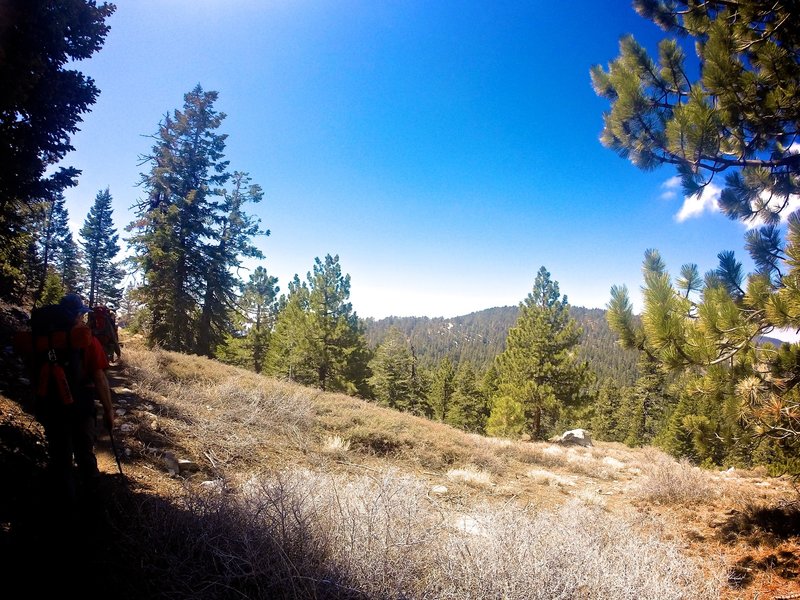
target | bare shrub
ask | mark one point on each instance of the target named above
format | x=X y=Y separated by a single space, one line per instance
x=300 y=534
x=667 y=481
x=471 y=476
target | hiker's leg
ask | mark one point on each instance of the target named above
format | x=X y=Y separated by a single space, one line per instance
x=60 y=450
x=84 y=435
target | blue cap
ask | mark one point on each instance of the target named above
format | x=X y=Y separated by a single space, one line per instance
x=73 y=304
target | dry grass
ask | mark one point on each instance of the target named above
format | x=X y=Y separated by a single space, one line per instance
x=667 y=481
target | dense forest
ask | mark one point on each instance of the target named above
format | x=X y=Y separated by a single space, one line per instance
x=479 y=337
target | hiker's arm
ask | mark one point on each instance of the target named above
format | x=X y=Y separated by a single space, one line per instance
x=101 y=384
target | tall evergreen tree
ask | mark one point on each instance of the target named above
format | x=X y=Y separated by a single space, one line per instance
x=259 y=303
x=739 y=117
x=338 y=336
x=538 y=369
x=233 y=231
x=469 y=406
x=41 y=105
x=100 y=243
x=393 y=371
x=68 y=264
x=53 y=227
x=318 y=339
x=175 y=219
x=291 y=350
x=442 y=386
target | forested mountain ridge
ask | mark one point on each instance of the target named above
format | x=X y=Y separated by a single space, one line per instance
x=478 y=337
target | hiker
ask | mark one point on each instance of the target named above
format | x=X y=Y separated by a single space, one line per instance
x=69 y=415
x=104 y=327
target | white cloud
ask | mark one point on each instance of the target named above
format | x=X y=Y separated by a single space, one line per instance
x=694 y=206
x=671 y=187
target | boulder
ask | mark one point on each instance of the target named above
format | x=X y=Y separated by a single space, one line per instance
x=577 y=437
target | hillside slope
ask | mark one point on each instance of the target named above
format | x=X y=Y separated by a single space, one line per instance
x=478 y=337
x=240 y=485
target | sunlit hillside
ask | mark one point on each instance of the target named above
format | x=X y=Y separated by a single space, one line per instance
x=241 y=486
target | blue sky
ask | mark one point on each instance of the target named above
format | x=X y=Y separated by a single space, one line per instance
x=444 y=150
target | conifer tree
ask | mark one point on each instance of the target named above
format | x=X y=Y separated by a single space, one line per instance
x=42 y=101
x=68 y=264
x=259 y=304
x=442 y=387
x=100 y=243
x=739 y=117
x=539 y=369
x=318 y=339
x=606 y=421
x=648 y=404
x=53 y=228
x=392 y=370
x=469 y=406
x=735 y=389
x=174 y=220
x=291 y=349
x=507 y=418
x=234 y=231
x=338 y=337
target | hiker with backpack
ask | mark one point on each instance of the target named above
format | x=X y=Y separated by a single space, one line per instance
x=69 y=369
x=103 y=323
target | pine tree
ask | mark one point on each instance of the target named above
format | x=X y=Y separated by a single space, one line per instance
x=392 y=371
x=442 y=387
x=338 y=336
x=234 y=232
x=538 y=369
x=100 y=248
x=174 y=221
x=318 y=339
x=68 y=264
x=739 y=117
x=42 y=100
x=259 y=303
x=291 y=350
x=53 y=227
x=606 y=421
x=469 y=406
x=507 y=418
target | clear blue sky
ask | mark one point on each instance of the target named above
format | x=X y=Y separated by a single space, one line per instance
x=444 y=150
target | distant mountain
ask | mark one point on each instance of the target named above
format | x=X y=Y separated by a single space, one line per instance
x=478 y=337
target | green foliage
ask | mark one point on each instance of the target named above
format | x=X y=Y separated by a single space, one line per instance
x=606 y=423
x=740 y=116
x=539 y=368
x=442 y=388
x=100 y=248
x=318 y=339
x=507 y=418
x=41 y=105
x=233 y=229
x=174 y=221
x=51 y=224
x=476 y=340
x=53 y=289
x=468 y=408
x=392 y=372
x=190 y=233
x=734 y=392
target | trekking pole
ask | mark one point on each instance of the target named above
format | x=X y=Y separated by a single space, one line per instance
x=114 y=449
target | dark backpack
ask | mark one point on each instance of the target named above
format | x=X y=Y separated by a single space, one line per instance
x=54 y=349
